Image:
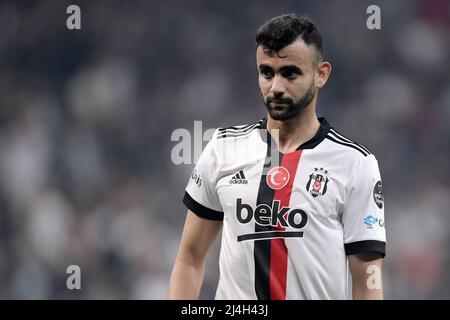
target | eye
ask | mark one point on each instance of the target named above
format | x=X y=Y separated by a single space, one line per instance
x=289 y=74
x=267 y=73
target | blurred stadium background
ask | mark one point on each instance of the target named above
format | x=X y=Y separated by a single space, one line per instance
x=86 y=118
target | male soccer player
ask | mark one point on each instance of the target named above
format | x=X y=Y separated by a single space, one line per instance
x=299 y=204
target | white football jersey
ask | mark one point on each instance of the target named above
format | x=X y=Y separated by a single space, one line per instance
x=289 y=220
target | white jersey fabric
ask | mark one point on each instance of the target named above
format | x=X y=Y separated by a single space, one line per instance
x=289 y=221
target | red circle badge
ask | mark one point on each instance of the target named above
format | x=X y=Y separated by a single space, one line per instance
x=277 y=178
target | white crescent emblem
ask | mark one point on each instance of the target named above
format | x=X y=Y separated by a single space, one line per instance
x=272 y=178
x=282 y=181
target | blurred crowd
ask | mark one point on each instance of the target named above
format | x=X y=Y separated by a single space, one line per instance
x=86 y=116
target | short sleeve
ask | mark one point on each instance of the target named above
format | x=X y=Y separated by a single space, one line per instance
x=201 y=195
x=363 y=215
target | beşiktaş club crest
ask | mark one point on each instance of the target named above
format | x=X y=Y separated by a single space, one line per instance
x=317 y=183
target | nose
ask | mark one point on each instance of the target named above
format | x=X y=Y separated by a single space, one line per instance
x=278 y=87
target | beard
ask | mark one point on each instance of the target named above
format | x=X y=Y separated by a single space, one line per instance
x=290 y=109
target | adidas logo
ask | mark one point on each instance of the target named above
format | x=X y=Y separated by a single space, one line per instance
x=238 y=178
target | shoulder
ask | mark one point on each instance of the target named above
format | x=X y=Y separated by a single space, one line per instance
x=237 y=131
x=345 y=144
x=236 y=143
x=355 y=158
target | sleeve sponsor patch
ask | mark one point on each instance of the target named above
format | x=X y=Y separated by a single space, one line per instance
x=378 y=194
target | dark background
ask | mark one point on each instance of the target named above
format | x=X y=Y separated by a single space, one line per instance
x=86 y=118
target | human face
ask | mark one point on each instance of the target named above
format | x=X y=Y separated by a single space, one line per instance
x=287 y=79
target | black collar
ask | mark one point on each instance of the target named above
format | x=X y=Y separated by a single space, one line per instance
x=310 y=144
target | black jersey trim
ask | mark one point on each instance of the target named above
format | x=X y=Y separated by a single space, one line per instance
x=262 y=247
x=351 y=145
x=338 y=137
x=200 y=210
x=320 y=135
x=264 y=235
x=238 y=128
x=365 y=247
x=226 y=133
x=344 y=138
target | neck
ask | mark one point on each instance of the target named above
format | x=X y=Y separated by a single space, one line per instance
x=296 y=131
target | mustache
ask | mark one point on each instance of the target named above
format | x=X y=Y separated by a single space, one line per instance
x=280 y=100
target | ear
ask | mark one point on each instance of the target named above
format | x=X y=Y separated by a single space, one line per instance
x=323 y=72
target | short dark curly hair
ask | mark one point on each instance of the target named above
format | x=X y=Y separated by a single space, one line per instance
x=283 y=30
